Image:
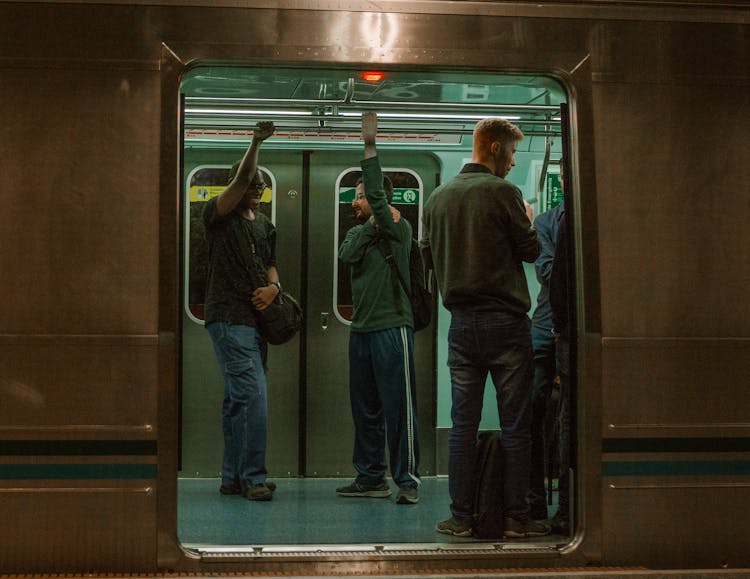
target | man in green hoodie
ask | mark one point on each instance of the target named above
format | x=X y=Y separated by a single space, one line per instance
x=476 y=232
x=382 y=389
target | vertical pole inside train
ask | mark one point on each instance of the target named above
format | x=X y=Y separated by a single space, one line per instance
x=305 y=233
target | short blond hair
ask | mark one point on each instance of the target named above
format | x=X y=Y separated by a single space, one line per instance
x=494 y=129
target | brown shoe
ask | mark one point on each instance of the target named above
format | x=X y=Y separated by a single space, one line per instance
x=520 y=529
x=259 y=492
x=560 y=523
x=230 y=489
x=453 y=527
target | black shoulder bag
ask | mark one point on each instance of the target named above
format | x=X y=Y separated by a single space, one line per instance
x=420 y=297
x=282 y=319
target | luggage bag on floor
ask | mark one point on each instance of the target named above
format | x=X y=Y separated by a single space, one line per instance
x=488 y=498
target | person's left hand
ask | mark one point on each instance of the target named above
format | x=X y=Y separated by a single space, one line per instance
x=263 y=130
x=395 y=213
x=263 y=296
x=529 y=211
x=369 y=126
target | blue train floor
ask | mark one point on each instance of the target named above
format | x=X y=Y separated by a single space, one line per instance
x=307 y=511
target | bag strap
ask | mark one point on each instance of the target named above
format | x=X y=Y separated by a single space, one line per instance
x=385 y=248
x=256 y=258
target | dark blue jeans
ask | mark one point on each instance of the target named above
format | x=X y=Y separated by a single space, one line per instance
x=563 y=367
x=383 y=396
x=498 y=344
x=544 y=370
x=244 y=412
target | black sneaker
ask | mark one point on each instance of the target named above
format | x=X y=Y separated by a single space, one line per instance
x=453 y=527
x=537 y=506
x=259 y=492
x=407 y=496
x=355 y=489
x=538 y=512
x=519 y=529
x=560 y=523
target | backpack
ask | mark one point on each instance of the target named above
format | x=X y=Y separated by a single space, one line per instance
x=488 y=493
x=420 y=297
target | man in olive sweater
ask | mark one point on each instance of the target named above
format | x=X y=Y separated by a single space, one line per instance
x=382 y=389
x=477 y=230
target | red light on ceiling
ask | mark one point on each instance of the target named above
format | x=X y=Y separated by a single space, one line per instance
x=372 y=76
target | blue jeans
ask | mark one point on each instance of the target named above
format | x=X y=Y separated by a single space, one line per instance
x=244 y=412
x=544 y=375
x=383 y=396
x=499 y=344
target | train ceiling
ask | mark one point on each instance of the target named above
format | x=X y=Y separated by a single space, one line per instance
x=223 y=103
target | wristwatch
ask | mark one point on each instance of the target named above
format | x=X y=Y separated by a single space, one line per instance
x=277 y=284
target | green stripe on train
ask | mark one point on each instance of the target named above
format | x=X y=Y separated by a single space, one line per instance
x=77 y=447
x=676 y=467
x=676 y=444
x=76 y=471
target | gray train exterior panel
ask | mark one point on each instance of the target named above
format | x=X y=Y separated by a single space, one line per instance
x=91 y=231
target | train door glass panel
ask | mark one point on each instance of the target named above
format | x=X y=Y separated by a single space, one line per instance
x=315 y=156
x=203 y=184
x=408 y=193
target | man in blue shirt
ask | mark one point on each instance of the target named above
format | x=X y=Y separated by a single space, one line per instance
x=543 y=343
x=560 y=284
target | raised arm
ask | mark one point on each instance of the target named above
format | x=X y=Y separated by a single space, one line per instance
x=232 y=195
x=383 y=215
x=369 y=132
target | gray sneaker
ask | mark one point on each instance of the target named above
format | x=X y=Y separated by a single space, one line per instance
x=453 y=527
x=355 y=489
x=407 y=496
x=519 y=529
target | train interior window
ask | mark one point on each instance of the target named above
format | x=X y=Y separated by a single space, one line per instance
x=203 y=184
x=311 y=164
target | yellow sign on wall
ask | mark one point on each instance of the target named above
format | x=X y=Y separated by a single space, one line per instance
x=202 y=193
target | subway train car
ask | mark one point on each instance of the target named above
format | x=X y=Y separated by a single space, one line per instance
x=119 y=120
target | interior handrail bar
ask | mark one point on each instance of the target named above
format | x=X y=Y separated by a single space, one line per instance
x=313 y=129
x=321 y=104
x=220 y=117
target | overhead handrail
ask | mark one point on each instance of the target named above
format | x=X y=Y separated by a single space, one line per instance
x=339 y=121
x=316 y=124
x=334 y=115
x=313 y=129
x=313 y=104
x=212 y=116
